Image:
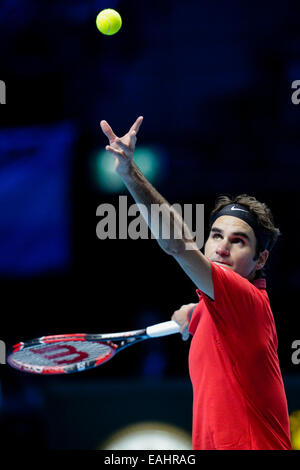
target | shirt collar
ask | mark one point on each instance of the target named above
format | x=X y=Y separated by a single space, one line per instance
x=260 y=283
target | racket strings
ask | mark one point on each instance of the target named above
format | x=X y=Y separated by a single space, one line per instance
x=63 y=353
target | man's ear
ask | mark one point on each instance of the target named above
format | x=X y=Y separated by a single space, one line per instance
x=262 y=259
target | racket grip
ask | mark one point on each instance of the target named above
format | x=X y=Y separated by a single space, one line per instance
x=163 y=329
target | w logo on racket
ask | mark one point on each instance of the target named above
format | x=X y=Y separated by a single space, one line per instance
x=66 y=350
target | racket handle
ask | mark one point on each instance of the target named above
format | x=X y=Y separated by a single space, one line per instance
x=163 y=329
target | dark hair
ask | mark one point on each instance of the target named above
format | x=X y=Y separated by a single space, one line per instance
x=263 y=216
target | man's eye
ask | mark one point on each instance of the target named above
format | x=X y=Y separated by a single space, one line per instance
x=237 y=240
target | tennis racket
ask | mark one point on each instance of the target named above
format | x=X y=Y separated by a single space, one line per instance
x=64 y=354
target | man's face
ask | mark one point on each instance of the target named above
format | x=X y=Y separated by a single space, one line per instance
x=232 y=242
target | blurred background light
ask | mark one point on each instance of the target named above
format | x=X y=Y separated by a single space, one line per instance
x=149 y=436
x=151 y=160
x=295 y=429
x=103 y=172
x=35 y=178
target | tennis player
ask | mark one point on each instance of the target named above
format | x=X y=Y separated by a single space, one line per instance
x=239 y=401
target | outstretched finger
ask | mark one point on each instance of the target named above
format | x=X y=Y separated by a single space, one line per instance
x=135 y=127
x=108 y=131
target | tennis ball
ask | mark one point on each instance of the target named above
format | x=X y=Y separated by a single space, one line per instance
x=109 y=21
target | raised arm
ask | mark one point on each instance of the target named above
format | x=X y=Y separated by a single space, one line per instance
x=180 y=243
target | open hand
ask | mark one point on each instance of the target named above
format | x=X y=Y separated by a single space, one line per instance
x=122 y=148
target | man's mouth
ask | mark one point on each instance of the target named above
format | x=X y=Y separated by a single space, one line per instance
x=221 y=262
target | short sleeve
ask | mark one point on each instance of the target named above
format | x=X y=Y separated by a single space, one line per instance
x=239 y=308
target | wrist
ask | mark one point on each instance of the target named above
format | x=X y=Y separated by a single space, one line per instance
x=126 y=169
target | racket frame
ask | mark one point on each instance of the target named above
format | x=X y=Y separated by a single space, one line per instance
x=125 y=339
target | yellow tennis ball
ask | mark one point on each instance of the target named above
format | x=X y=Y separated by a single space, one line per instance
x=109 y=21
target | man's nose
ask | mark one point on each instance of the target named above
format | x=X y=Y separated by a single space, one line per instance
x=223 y=248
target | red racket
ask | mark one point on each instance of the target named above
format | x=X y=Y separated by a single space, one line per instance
x=64 y=354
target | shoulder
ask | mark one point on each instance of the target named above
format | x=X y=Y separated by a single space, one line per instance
x=230 y=287
x=237 y=303
x=226 y=275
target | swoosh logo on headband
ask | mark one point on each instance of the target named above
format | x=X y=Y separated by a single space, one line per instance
x=233 y=208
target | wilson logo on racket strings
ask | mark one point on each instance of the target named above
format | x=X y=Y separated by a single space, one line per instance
x=66 y=350
x=2 y=92
x=159 y=219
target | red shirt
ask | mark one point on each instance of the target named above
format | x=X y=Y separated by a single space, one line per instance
x=239 y=398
